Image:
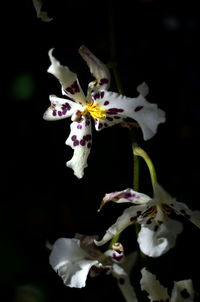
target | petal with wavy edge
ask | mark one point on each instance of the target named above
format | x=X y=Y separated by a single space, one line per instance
x=71 y=262
x=181 y=208
x=146 y=114
x=149 y=283
x=129 y=215
x=124 y=283
x=41 y=14
x=80 y=139
x=183 y=291
x=155 y=240
x=67 y=78
x=60 y=108
x=98 y=69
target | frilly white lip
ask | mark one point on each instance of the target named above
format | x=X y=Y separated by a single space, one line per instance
x=74 y=258
x=106 y=108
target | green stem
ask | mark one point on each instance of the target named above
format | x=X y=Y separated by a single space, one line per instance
x=136 y=171
x=140 y=152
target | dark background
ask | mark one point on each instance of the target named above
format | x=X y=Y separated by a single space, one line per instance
x=41 y=199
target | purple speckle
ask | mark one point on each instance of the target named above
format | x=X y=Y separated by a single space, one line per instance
x=87 y=123
x=73 y=138
x=54 y=112
x=121 y=281
x=102 y=94
x=129 y=195
x=76 y=143
x=89 y=145
x=117 y=117
x=106 y=103
x=79 y=126
x=117 y=256
x=109 y=118
x=96 y=95
x=184 y=293
x=60 y=113
x=103 y=81
x=100 y=125
x=138 y=108
x=74 y=88
x=105 y=125
x=82 y=142
x=114 y=110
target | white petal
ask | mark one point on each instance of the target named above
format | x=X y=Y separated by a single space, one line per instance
x=60 y=108
x=149 y=283
x=182 y=209
x=67 y=79
x=98 y=69
x=128 y=216
x=71 y=262
x=125 y=196
x=80 y=139
x=41 y=14
x=156 y=242
x=183 y=291
x=146 y=114
x=124 y=283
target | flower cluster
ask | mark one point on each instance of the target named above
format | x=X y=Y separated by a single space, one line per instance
x=74 y=259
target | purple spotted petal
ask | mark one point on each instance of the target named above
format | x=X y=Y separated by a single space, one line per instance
x=125 y=196
x=60 y=108
x=67 y=79
x=124 y=283
x=80 y=139
x=183 y=291
x=181 y=208
x=161 y=196
x=147 y=115
x=98 y=69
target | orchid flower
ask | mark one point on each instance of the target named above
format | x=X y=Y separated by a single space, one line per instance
x=76 y=258
x=158 y=231
x=182 y=291
x=104 y=107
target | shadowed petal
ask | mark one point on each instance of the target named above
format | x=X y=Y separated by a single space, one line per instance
x=129 y=215
x=67 y=79
x=155 y=240
x=60 y=108
x=71 y=262
x=183 y=291
x=124 y=283
x=149 y=283
x=181 y=208
x=98 y=69
x=41 y=14
x=80 y=139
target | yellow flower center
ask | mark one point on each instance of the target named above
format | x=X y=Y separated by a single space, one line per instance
x=95 y=111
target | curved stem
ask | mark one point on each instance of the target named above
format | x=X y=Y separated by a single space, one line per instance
x=137 y=151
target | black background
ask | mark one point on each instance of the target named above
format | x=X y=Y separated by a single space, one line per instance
x=41 y=199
